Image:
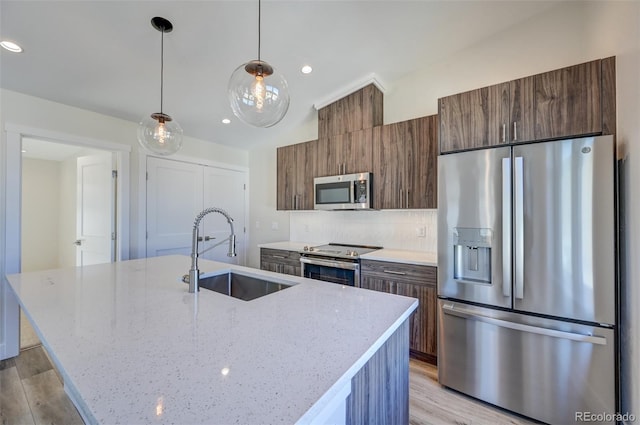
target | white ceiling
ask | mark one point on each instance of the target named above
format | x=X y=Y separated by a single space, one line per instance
x=104 y=56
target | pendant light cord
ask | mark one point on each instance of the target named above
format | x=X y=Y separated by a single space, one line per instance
x=161 y=67
x=259 y=20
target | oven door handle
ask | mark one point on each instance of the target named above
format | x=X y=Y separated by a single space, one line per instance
x=329 y=263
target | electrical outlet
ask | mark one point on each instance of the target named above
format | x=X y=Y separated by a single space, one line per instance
x=257 y=224
x=274 y=225
x=306 y=228
x=421 y=231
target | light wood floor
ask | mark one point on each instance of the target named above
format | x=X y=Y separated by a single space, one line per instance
x=31 y=392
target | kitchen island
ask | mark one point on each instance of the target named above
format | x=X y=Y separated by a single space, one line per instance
x=133 y=346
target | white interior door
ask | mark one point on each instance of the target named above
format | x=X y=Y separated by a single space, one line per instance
x=95 y=223
x=174 y=198
x=224 y=189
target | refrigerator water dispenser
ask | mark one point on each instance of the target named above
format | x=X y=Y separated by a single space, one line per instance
x=472 y=255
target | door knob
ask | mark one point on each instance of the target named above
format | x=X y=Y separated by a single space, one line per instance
x=78 y=242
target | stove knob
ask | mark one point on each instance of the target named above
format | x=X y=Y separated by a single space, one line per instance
x=311 y=248
x=306 y=248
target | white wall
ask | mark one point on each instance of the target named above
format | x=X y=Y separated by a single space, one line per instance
x=41 y=214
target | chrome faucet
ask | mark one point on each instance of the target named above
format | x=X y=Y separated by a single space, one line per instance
x=194 y=273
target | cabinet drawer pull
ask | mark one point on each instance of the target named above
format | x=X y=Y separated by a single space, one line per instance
x=504 y=133
x=278 y=256
x=394 y=272
x=515 y=131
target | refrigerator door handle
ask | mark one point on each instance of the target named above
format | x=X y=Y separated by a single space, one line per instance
x=466 y=314
x=519 y=226
x=506 y=227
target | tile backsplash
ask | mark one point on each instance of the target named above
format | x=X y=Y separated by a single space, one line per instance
x=414 y=230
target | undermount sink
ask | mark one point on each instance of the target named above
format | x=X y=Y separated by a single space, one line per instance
x=239 y=286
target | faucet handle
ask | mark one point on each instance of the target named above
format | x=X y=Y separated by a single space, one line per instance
x=185 y=278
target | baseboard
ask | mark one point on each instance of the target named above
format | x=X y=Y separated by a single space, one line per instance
x=429 y=358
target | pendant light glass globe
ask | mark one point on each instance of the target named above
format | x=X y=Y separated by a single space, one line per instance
x=159 y=134
x=258 y=94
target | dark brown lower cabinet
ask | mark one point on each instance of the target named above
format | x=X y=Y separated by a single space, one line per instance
x=414 y=281
x=280 y=261
x=380 y=390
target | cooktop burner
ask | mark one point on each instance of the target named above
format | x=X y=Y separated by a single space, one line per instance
x=340 y=250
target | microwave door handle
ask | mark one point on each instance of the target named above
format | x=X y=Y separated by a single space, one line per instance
x=354 y=188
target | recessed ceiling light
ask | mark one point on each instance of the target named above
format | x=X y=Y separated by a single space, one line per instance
x=306 y=69
x=226 y=121
x=23 y=151
x=11 y=46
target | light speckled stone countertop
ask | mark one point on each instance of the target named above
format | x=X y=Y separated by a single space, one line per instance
x=133 y=346
x=393 y=255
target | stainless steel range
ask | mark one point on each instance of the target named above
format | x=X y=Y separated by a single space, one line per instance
x=334 y=262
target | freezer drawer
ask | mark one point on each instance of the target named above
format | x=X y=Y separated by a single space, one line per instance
x=546 y=369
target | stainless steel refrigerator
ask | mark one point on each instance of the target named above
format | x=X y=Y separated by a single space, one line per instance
x=527 y=278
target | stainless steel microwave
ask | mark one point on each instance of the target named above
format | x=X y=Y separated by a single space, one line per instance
x=344 y=192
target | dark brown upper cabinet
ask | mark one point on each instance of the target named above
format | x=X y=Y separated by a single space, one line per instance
x=573 y=101
x=296 y=168
x=357 y=111
x=344 y=153
x=472 y=119
x=405 y=164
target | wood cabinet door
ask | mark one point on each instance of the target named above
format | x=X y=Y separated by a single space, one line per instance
x=421 y=162
x=389 y=165
x=356 y=151
x=296 y=169
x=521 y=122
x=286 y=180
x=305 y=171
x=268 y=265
x=567 y=102
x=280 y=261
x=345 y=153
x=474 y=119
x=423 y=330
x=327 y=161
x=375 y=283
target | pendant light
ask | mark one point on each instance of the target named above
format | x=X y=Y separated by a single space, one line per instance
x=258 y=94
x=158 y=133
